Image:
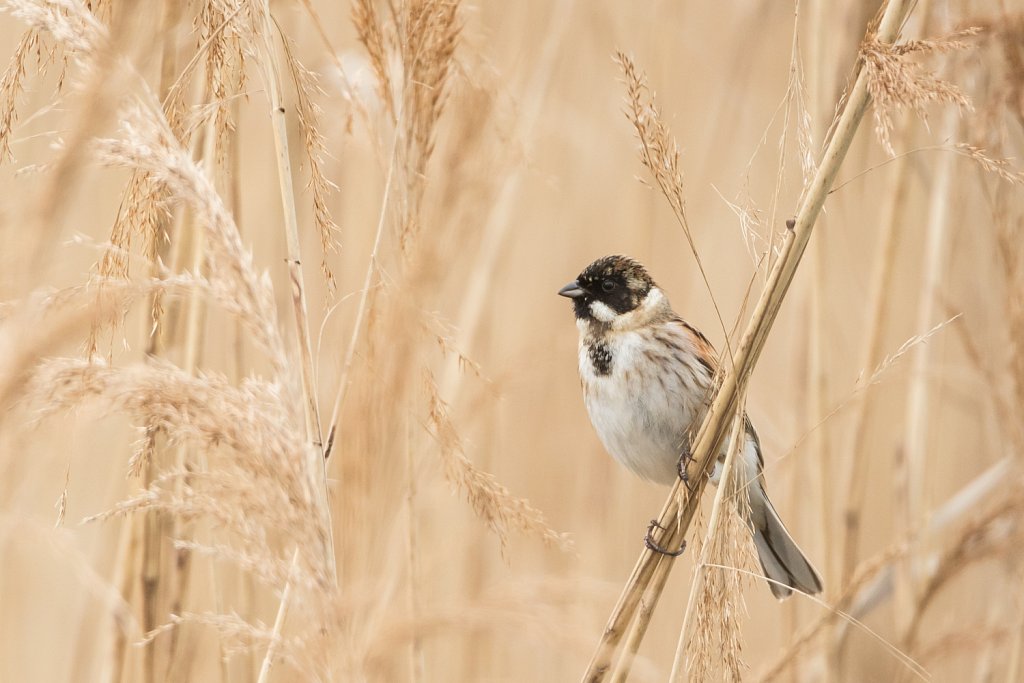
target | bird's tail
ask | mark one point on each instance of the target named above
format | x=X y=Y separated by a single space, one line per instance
x=783 y=562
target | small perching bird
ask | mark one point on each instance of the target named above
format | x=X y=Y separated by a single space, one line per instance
x=647 y=378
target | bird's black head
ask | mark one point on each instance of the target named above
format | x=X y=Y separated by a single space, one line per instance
x=608 y=287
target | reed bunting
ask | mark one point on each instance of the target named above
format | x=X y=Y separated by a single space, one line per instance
x=647 y=380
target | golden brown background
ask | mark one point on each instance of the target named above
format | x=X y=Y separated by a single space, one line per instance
x=533 y=175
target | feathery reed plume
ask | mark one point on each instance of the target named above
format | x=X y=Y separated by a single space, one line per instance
x=77 y=30
x=371 y=34
x=659 y=154
x=249 y=432
x=225 y=44
x=149 y=148
x=1002 y=168
x=256 y=491
x=501 y=511
x=147 y=144
x=413 y=57
x=308 y=114
x=81 y=36
x=12 y=83
x=142 y=213
x=896 y=82
x=659 y=151
x=32 y=329
x=426 y=34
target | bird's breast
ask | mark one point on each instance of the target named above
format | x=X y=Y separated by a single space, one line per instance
x=641 y=399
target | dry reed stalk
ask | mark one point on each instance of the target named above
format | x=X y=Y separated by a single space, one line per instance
x=416 y=661
x=156 y=457
x=317 y=464
x=992 y=533
x=361 y=310
x=714 y=600
x=184 y=461
x=638 y=629
x=821 y=65
x=677 y=514
x=124 y=578
x=854 y=475
x=1013 y=668
x=873 y=579
x=911 y=473
x=282 y=613
x=150 y=574
x=244 y=581
x=835 y=610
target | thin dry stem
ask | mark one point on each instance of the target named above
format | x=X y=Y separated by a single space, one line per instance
x=854 y=475
x=317 y=464
x=912 y=471
x=990 y=534
x=282 y=612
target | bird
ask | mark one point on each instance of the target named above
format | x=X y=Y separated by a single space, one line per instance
x=648 y=377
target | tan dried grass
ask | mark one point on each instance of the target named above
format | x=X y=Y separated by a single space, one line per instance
x=221 y=452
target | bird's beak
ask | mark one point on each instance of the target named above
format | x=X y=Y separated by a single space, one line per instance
x=571 y=290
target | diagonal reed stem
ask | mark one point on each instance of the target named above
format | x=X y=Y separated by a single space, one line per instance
x=282 y=614
x=679 y=509
x=317 y=465
x=724 y=495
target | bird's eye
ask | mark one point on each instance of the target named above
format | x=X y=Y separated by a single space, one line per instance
x=607 y=285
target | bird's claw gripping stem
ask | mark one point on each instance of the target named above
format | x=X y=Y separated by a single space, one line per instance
x=654 y=546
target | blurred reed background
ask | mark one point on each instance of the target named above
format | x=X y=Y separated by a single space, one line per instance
x=213 y=212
